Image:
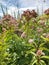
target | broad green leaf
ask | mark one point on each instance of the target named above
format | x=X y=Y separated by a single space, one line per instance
x=42 y=62
x=45 y=57
x=34 y=62
x=33 y=53
x=42 y=44
x=46 y=39
x=33 y=59
x=0 y=43
x=43 y=48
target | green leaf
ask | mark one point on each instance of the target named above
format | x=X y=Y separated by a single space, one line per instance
x=42 y=44
x=34 y=62
x=43 y=48
x=33 y=59
x=42 y=62
x=45 y=57
x=46 y=39
x=33 y=53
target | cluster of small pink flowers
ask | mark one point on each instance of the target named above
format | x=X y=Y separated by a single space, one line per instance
x=23 y=35
x=40 y=52
x=3 y=29
x=29 y=14
x=8 y=21
x=39 y=30
x=47 y=11
x=46 y=35
x=42 y=22
x=31 y=40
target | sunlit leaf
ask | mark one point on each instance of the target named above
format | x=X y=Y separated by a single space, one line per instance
x=43 y=48
x=45 y=57
x=42 y=62
x=34 y=62
x=46 y=39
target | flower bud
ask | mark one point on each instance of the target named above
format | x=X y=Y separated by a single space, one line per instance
x=31 y=41
x=3 y=29
x=23 y=35
x=39 y=30
x=39 y=53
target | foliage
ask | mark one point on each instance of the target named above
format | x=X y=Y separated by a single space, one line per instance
x=26 y=45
